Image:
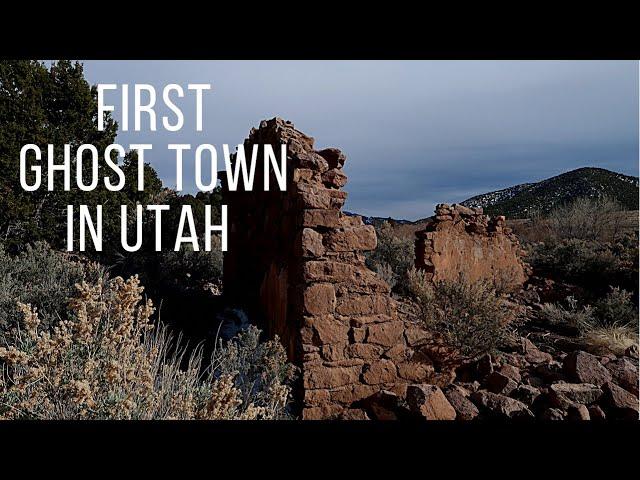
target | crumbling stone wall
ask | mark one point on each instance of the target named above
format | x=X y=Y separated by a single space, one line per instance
x=463 y=241
x=295 y=261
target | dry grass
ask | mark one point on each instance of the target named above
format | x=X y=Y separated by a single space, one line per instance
x=610 y=339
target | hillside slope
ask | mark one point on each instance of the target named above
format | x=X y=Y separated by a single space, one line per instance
x=520 y=201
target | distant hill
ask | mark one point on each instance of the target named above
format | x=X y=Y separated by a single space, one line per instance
x=520 y=201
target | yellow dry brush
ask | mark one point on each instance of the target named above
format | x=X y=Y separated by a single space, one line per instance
x=108 y=360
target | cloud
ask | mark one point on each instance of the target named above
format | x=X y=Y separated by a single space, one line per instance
x=416 y=133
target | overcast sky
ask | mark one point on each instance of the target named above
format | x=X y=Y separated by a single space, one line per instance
x=415 y=133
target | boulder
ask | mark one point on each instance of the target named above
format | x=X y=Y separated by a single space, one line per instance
x=458 y=398
x=500 y=406
x=578 y=413
x=564 y=395
x=499 y=383
x=429 y=402
x=620 y=403
x=533 y=354
x=552 y=414
x=354 y=414
x=383 y=405
x=582 y=367
x=596 y=413
x=511 y=372
x=625 y=374
x=526 y=394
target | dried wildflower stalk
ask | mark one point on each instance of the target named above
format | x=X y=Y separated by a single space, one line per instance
x=108 y=361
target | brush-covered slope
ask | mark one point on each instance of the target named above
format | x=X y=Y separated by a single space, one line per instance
x=520 y=201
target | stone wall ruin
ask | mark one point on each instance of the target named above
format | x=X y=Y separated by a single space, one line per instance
x=463 y=242
x=295 y=263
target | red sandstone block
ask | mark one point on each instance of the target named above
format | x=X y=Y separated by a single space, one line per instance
x=306 y=175
x=352 y=238
x=357 y=304
x=382 y=371
x=338 y=197
x=364 y=320
x=334 y=178
x=327 y=329
x=320 y=376
x=320 y=218
x=310 y=243
x=352 y=393
x=334 y=156
x=316 y=397
x=386 y=334
x=324 y=412
x=313 y=161
x=365 y=351
x=335 y=352
x=319 y=298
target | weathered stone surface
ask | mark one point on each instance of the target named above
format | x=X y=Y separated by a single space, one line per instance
x=386 y=334
x=365 y=351
x=596 y=413
x=382 y=371
x=327 y=330
x=464 y=241
x=320 y=376
x=552 y=414
x=351 y=238
x=583 y=367
x=319 y=217
x=416 y=335
x=319 y=298
x=625 y=374
x=496 y=382
x=362 y=304
x=458 y=398
x=511 y=372
x=333 y=156
x=417 y=369
x=500 y=405
x=334 y=178
x=354 y=414
x=565 y=394
x=578 y=413
x=532 y=354
x=311 y=243
x=620 y=403
x=429 y=402
x=526 y=394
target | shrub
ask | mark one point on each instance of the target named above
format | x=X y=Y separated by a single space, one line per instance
x=469 y=316
x=107 y=361
x=610 y=326
x=187 y=268
x=392 y=254
x=571 y=316
x=617 y=308
x=592 y=265
x=43 y=278
x=586 y=218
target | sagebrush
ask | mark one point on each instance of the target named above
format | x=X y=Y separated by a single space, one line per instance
x=107 y=360
x=469 y=315
x=43 y=277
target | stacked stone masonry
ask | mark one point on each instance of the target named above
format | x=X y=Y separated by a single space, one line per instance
x=462 y=242
x=295 y=260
